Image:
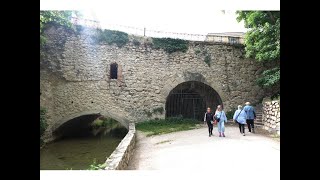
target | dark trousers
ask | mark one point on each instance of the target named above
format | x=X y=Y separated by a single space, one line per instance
x=250 y=124
x=210 y=127
x=241 y=127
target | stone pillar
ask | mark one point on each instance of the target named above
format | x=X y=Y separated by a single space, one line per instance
x=271 y=116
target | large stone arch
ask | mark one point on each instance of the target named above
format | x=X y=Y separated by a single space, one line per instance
x=190 y=100
x=177 y=79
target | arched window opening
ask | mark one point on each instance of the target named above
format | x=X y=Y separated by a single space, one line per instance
x=114 y=71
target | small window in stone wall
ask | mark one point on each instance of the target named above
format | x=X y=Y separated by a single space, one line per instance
x=233 y=40
x=114 y=71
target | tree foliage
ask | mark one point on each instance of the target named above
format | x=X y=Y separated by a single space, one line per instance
x=59 y=17
x=262 y=41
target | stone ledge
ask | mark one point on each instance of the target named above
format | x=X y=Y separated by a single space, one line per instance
x=121 y=156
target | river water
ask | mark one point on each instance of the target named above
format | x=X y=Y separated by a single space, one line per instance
x=78 y=153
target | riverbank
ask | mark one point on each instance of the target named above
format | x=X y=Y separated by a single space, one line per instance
x=77 y=153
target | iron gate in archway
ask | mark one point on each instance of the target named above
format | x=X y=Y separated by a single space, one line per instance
x=186 y=104
x=191 y=99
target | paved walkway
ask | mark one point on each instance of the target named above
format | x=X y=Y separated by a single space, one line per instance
x=252 y=155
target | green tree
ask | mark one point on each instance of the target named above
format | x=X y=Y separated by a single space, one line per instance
x=59 y=17
x=262 y=42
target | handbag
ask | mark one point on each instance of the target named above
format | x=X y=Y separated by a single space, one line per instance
x=238 y=116
x=216 y=117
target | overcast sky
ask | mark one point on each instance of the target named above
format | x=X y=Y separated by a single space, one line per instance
x=181 y=16
x=177 y=21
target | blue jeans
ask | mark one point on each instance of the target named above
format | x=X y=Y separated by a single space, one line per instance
x=221 y=126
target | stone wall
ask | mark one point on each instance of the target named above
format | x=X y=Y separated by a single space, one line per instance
x=75 y=71
x=121 y=156
x=271 y=116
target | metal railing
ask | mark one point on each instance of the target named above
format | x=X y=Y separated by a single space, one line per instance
x=149 y=33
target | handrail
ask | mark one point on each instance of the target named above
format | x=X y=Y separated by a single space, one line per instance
x=158 y=34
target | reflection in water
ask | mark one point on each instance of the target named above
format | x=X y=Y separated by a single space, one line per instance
x=78 y=153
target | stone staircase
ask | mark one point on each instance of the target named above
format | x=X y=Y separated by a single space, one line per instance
x=258 y=120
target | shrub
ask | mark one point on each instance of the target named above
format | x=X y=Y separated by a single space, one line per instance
x=230 y=113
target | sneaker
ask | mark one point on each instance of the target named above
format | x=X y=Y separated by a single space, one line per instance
x=244 y=134
x=209 y=135
x=219 y=134
x=223 y=135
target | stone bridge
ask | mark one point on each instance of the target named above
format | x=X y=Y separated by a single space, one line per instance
x=136 y=82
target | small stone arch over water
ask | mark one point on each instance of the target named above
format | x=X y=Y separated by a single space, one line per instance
x=79 y=122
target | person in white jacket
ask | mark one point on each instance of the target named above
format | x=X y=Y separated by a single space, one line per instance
x=240 y=117
x=221 y=117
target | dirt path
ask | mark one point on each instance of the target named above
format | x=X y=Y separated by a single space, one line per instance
x=194 y=150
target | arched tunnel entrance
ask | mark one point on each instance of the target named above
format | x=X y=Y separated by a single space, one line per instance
x=84 y=126
x=76 y=127
x=80 y=140
x=190 y=100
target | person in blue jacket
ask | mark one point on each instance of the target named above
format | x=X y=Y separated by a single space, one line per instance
x=240 y=117
x=220 y=115
x=251 y=116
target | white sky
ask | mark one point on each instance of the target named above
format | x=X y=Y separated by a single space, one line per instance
x=184 y=16
x=195 y=23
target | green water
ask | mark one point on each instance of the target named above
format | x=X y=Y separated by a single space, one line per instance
x=77 y=153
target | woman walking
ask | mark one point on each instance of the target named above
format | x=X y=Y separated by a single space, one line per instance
x=240 y=117
x=208 y=117
x=221 y=118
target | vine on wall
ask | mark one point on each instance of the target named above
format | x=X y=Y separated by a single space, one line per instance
x=43 y=123
x=204 y=53
x=112 y=37
x=170 y=45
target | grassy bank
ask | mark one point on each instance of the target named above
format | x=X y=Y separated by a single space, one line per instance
x=164 y=126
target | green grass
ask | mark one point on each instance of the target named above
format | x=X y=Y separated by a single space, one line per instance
x=164 y=126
